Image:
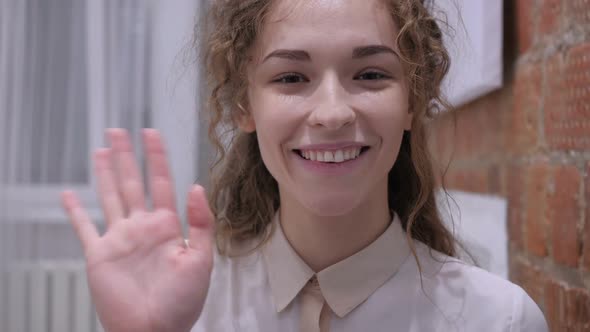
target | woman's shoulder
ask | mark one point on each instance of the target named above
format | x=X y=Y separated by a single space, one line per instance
x=463 y=286
x=455 y=272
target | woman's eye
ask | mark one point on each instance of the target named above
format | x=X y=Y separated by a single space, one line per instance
x=290 y=79
x=371 y=76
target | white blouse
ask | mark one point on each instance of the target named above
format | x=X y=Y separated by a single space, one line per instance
x=376 y=289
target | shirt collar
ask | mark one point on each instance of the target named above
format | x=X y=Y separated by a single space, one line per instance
x=345 y=284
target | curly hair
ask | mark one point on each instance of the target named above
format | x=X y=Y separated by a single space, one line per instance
x=244 y=195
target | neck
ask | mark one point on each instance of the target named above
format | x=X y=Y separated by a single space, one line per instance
x=323 y=241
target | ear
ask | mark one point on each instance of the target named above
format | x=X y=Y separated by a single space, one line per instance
x=246 y=123
x=245 y=120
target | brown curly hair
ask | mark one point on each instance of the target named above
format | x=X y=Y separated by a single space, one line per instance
x=244 y=195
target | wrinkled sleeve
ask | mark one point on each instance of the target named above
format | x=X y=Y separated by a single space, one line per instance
x=526 y=314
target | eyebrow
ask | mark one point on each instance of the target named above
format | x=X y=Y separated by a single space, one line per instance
x=365 y=51
x=296 y=55
x=357 y=53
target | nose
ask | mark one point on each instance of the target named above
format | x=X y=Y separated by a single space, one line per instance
x=331 y=110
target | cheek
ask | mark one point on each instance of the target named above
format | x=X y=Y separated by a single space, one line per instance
x=389 y=103
x=270 y=152
x=387 y=116
x=274 y=127
x=268 y=135
x=276 y=116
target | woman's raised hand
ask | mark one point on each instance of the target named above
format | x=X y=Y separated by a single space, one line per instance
x=141 y=275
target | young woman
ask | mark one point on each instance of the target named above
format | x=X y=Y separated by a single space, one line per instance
x=323 y=214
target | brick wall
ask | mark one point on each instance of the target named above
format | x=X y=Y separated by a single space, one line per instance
x=530 y=142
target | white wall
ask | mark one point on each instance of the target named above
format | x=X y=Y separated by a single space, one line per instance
x=175 y=89
x=474 y=41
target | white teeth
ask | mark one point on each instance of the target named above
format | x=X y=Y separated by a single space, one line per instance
x=336 y=156
x=346 y=154
x=328 y=156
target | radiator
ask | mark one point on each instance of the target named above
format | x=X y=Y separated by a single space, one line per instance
x=47 y=297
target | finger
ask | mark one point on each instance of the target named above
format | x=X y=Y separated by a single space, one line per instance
x=129 y=176
x=200 y=220
x=107 y=187
x=160 y=180
x=85 y=229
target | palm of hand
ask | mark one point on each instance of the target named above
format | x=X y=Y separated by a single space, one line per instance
x=141 y=275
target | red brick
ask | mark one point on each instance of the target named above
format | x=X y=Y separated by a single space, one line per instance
x=515 y=185
x=536 y=197
x=524 y=133
x=471 y=180
x=563 y=213
x=554 y=101
x=525 y=26
x=475 y=132
x=586 y=241
x=470 y=134
x=466 y=138
x=550 y=16
x=442 y=138
x=530 y=278
x=578 y=309
x=490 y=118
x=566 y=309
x=495 y=184
x=567 y=109
x=578 y=12
x=554 y=305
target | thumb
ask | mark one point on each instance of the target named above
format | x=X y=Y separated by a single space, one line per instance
x=200 y=219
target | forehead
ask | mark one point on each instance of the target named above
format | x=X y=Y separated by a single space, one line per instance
x=327 y=24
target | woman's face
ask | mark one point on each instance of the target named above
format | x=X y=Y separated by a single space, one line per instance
x=329 y=101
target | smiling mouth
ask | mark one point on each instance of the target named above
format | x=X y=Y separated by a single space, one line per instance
x=332 y=156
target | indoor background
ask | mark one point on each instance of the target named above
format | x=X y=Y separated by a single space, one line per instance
x=70 y=68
